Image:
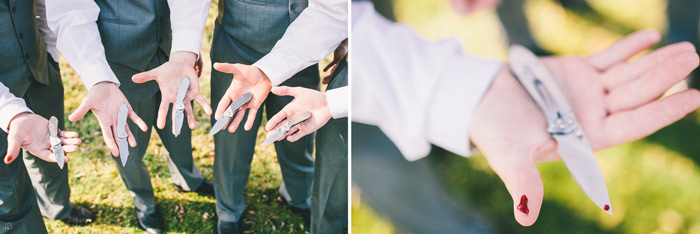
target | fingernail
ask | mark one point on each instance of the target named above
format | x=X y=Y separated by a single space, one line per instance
x=522 y=207
x=8 y=158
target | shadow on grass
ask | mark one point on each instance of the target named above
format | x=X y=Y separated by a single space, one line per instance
x=682 y=137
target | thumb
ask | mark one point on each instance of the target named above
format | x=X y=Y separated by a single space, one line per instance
x=12 y=150
x=518 y=172
x=80 y=112
x=227 y=68
x=144 y=76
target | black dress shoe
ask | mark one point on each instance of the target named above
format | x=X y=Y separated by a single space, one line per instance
x=228 y=227
x=305 y=213
x=151 y=223
x=79 y=216
x=205 y=189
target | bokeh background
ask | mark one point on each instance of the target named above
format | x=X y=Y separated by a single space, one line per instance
x=95 y=182
x=654 y=183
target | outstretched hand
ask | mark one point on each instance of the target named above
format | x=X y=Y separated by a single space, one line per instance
x=615 y=101
x=304 y=100
x=169 y=77
x=246 y=78
x=104 y=99
x=31 y=132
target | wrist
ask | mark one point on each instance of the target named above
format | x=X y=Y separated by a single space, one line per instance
x=18 y=119
x=184 y=57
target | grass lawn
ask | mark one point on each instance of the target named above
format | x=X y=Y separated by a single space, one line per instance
x=96 y=184
x=654 y=183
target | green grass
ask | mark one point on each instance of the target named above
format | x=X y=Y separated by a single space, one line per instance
x=96 y=184
x=654 y=183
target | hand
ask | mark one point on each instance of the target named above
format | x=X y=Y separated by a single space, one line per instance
x=614 y=100
x=464 y=7
x=31 y=132
x=104 y=99
x=246 y=78
x=304 y=100
x=169 y=77
x=338 y=54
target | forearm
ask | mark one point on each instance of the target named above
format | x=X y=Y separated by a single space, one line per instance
x=315 y=34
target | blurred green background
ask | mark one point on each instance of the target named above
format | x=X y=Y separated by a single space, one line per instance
x=654 y=183
x=96 y=184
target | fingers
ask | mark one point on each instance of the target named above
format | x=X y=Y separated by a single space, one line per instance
x=631 y=125
x=163 y=113
x=237 y=119
x=204 y=103
x=627 y=72
x=523 y=182
x=652 y=83
x=67 y=134
x=286 y=91
x=252 y=113
x=278 y=118
x=108 y=137
x=70 y=148
x=302 y=130
x=71 y=141
x=227 y=68
x=190 y=115
x=624 y=49
x=12 y=150
x=46 y=155
x=144 y=76
x=137 y=120
x=80 y=112
x=130 y=137
x=223 y=105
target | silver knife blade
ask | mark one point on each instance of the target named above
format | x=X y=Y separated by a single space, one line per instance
x=179 y=106
x=275 y=135
x=55 y=140
x=574 y=148
x=122 y=135
x=231 y=111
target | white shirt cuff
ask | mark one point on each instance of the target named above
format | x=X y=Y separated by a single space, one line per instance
x=267 y=64
x=448 y=128
x=96 y=73
x=10 y=110
x=187 y=40
x=338 y=102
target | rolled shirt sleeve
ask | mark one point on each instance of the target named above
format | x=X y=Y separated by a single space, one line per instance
x=316 y=33
x=418 y=93
x=187 y=19
x=338 y=102
x=78 y=39
x=10 y=106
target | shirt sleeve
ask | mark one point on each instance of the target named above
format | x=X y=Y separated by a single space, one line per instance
x=318 y=30
x=46 y=33
x=187 y=19
x=10 y=106
x=338 y=102
x=418 y=93
x=75 y=24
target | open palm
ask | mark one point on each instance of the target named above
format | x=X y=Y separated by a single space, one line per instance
x=614 y=100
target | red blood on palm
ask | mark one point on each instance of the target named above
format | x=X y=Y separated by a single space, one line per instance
x=522 y=207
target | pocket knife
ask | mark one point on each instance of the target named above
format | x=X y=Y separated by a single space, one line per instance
x=121 y=133
x=278 y=133
x=230 y=112
x=55 y=140
x=179 y=106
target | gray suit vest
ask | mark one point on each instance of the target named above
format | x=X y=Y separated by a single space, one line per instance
x=132 y=31
x=22 y=51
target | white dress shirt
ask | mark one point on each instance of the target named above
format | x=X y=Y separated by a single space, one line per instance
x=10 y=106
x=316 y=33
x=46 y=33
x=75 y=23
x=418 y=93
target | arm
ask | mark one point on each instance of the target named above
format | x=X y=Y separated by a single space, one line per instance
x=418 y=93
x=74 y=21
x=317 y=32
x=29 y=131
x=46 y=33
x=187 y=20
